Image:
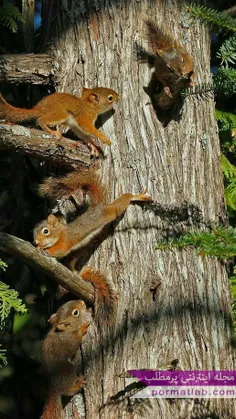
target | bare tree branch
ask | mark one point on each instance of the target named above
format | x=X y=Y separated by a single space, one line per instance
x=26 y=68
x=50 y=266
x=36 y=143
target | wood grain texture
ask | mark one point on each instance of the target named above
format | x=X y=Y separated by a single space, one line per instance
x=36 y=143
x=179 y=164
x=48 y=265
x=26 y=68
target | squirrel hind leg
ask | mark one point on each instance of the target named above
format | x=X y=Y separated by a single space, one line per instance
x=94 y=151
x=53 y=119
x=44 y=127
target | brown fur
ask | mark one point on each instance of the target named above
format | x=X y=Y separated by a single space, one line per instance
x=76 y=113
x=67 y=186
x=105 y=291
x=59 y=348
x=12 y=114
x=173 y=60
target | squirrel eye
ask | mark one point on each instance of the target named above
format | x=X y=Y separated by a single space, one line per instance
x=45 y=231
x=110 y=98
x=75 y=312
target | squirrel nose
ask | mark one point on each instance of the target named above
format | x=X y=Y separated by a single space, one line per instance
x=36 y=243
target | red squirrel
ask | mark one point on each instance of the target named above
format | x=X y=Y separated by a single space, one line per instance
x=174 y=66
x=77 y=113
x=173 y=61
x=58 y=238
x=68 y=326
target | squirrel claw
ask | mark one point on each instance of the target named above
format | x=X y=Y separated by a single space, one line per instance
x=94 y=151
x=80 y=382
x=142 y=197
x=105 y=140
x=58 y=135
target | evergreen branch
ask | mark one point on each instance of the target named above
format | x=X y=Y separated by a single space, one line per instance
x=201 y=90
x=225 y=81
x=8 y=300
x=228 y=169
x=3 y=265
x=220 y=242
x=3 y=359
x=213 y=18
x=226 y=121
x=230 y=193
x=9 y=15
x=227 y=51
x=230 y=196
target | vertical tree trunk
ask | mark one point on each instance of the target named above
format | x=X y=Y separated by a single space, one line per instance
x=190 y=317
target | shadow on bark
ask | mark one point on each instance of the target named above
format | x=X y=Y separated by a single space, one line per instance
x=178 y=219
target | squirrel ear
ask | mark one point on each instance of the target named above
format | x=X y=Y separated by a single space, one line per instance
x=52 y=319
x=61 y=326
x=52 y=220
x=93 y=98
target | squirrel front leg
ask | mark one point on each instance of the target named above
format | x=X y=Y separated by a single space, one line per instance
x=89 y=129
x=117 y=207
x=44 y=127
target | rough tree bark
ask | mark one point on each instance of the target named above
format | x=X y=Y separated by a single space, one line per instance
x=38 y=143
x=26 y=68
x=189 y=317
x=50 y=266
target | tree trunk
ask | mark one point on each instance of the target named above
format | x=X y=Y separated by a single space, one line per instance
x=188 y=317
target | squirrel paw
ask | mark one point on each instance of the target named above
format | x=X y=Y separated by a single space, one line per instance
x=57 y=134
x=105 y=140
x=54 y=132
x=94 y=151
x=141 y=197
x=167 y=91
x=78 y=384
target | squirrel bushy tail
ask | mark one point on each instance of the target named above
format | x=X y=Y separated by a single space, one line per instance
x=12 y=114
x=67 y=186
x=105 y=293
x=53 y=407
x=157 y=38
